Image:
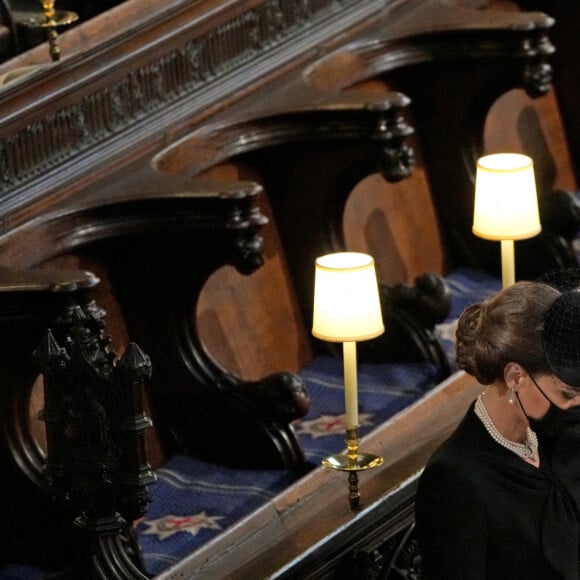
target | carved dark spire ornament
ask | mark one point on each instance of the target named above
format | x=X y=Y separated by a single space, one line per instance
x=95 y=424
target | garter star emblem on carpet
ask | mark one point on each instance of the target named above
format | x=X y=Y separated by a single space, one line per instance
x=171 y=524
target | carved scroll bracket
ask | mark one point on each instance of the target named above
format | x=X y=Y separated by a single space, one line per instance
x=322 y=116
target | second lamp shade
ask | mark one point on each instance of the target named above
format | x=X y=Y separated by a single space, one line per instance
x=506 y=203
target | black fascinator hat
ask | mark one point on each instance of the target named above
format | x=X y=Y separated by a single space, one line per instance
x=561 y=337
x=563 y=279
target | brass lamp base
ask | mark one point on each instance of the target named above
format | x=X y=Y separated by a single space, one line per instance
x=360 y=462
x=352 y=461
x=38 y=20
x=51 y=21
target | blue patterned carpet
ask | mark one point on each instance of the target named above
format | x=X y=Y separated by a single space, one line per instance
x=195 y=501
x=18 y=572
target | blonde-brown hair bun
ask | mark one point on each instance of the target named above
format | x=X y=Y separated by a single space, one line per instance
x=507 y=327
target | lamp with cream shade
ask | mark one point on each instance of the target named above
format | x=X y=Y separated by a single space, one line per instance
x=347 y=309
x=506 y=204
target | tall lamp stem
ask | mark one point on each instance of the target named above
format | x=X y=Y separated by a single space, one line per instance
x=350 y=385
x=508 y=270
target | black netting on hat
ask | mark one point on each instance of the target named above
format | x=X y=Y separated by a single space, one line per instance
x=564 y=279
x=561 y=337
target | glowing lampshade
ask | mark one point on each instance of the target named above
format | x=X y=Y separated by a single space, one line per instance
x=346 y=298
x=506 y=203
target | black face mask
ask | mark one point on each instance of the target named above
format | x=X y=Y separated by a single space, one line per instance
x=555 y=419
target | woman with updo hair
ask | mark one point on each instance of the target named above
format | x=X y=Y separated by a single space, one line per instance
x=500 y=499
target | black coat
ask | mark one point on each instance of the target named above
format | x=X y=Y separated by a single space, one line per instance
x=484 y=513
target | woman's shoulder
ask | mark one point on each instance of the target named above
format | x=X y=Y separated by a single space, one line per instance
x=469 y=436
x=455 y=463
x=462 y=458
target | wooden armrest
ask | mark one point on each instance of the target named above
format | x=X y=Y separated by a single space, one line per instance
x=36 y=281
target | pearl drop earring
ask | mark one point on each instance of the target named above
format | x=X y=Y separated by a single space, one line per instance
x=511 y=397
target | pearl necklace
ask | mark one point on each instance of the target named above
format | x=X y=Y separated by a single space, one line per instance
x=527 y=450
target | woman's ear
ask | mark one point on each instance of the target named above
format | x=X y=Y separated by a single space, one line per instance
x=513 y=373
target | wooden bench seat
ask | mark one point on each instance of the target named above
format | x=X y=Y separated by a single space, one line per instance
x=289 y=537
x=195 y=502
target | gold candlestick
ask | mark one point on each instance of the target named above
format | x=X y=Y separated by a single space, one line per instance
x=50 y=24
x=352 y=462
x=50 y=20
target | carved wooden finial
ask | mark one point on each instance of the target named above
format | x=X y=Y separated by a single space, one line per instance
x=49 y=354
x=135 y=362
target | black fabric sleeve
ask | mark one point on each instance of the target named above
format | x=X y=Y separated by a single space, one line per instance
x=451 y=526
